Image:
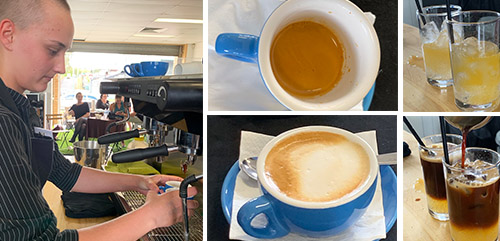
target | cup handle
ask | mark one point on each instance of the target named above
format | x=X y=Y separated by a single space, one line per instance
x=242 y=47
x=256 y=206
x=370 y=16
x=128 y=72
x=138 y=70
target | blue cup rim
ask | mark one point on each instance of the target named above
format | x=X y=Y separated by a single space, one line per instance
x=353 y=195
x=153 y=62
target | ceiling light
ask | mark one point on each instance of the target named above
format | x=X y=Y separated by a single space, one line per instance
x=154 y=35
x=177 y=20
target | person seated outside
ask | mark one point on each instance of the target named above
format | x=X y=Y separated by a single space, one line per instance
x=103 y=102
x=117 y=109
x=81 y=112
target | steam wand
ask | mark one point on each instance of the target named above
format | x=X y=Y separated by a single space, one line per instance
x=183 y=194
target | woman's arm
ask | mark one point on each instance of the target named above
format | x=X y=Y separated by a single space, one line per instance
x=71 y=111
x=158 y=211
x=112 y=108
x=115 y=182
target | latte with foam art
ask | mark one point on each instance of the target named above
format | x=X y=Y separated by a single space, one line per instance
x=317 y=166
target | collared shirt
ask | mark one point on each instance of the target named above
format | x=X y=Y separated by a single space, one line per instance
x=24 y=213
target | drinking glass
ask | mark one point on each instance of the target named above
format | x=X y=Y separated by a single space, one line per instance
x=473 y=195
x=475 y=60
x=435 y=44
x=431 y=156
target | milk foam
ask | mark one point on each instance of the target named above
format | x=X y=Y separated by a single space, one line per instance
x=317 y=166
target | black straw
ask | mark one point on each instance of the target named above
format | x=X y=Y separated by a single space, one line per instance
x=419 y=8
x=442 y=123
x=413 y=131
x=450 y=29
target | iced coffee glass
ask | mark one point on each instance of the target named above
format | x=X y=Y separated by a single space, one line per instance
x=475 y=60
x=431 y=157
x=435 y=44
x=473 y=195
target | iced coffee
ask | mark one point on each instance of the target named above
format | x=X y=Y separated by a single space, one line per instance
x=431 y=157
x=473 y=192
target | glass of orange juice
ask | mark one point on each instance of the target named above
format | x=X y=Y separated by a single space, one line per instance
x=475 y=60
x=435 y=44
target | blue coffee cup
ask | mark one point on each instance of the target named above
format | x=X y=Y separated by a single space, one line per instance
x=132 y=69
x=354 y=31
x=152 y=68
x=313 y=219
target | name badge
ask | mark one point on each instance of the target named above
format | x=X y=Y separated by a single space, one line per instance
x=44 y=132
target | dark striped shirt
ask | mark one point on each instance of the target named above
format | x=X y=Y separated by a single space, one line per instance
x=24 y=213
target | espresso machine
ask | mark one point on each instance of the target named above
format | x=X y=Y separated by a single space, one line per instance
x=170 y=109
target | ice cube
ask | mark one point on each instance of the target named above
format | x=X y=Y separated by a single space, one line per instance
x=457 y=32
x=471 y=47
x=429 y=32
x=472 y=41
x=442 y=40
x=488 y=48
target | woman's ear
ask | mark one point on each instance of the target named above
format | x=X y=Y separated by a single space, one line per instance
x=7 y=28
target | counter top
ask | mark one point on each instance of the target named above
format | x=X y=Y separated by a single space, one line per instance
x=53 y=196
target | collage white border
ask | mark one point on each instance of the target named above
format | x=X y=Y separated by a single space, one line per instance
x=399 y=114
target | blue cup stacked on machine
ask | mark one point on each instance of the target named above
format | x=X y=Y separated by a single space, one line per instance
x=316 y=181
x=146 y=68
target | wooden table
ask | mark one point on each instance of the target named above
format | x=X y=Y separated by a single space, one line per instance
x=418 y=94
x=53 y=196
x=418 y=223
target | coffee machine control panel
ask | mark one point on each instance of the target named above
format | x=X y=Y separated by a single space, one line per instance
x=168 y=93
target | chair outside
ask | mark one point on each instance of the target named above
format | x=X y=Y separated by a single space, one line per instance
x=52 y=120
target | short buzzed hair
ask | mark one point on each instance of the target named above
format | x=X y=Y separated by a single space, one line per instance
x=25 y=12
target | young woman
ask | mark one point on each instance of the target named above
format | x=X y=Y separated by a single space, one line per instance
x=81 y=112
x=34 y=36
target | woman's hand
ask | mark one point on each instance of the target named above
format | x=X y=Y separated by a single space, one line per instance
x=151 y=183
x=166 y=208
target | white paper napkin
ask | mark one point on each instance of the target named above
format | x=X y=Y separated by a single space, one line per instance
x=370 y=226
x=236 y=85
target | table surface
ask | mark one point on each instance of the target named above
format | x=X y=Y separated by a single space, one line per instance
x=53 y=196
x=224 y=134
x=418 y=94
x=417 y=222
x=97 y=127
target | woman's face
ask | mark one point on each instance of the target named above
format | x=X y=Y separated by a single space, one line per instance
x=104 y=98
x=79 y=97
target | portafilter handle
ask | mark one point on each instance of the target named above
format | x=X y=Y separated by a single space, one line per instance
x=119 y=136
x=142 y=153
